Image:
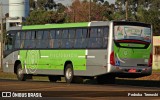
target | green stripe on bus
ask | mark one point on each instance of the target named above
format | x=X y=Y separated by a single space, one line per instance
x=52 y=59
x=49 y=26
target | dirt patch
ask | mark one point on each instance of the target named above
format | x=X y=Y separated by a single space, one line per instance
x=154 y=76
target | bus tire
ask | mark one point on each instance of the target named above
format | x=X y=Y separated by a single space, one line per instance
x=68 y=73
x=53 y=78
x=105 y=79
x=20 y=75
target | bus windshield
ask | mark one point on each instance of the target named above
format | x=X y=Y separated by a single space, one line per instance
x=123 y=32
x=8 y=42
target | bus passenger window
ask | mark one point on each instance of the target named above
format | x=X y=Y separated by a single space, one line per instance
x=78 y=43
x=93 y=32
x=17 y=41
x=33 y=35
x=28 y=35
x=17 y=44
x=51 y=42
x=84 y=35
x=38 y=39
x=84 y=43
x=100 y=32
x=33 y=44
x=92 y=43
x=65 y=34
x=27 y=40
x=65 y=43
x=27 y=44
x=18 y=36
x=39 y=35
x=33 y=40
x=52 y=36
x=22 y=35
x=22 y=44
x=44 y=44
x=45 y=39
x=78 y=33
x=105 y=37
x=71 y=43
x=45 y=35
x=58 y=34
x=84 y=38
x=99 y=42
x=71 y=33
x=22 y=39
x=57 y=43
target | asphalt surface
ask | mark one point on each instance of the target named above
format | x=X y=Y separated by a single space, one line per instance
x=61 y=90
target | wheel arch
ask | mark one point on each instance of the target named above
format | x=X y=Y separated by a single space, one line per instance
x=15 y=65
x=65 y=64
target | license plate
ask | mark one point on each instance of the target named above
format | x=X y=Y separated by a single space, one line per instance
x=132 y=70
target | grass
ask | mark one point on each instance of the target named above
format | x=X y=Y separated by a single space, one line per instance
x=158 y=70
x=7 y=75
x=4 y=75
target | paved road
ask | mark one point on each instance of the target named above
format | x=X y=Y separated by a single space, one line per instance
x=78 y=91
x=14 y=85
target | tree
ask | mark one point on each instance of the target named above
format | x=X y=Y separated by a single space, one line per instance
x=61 y=8
x=147 y=11
x=45 y=13
x=150 y=13
x=79 y=11
x=44 y=17
x=50 y=5
x=32 y=4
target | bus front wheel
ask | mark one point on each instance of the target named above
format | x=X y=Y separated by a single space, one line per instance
x=68 y=73
x=20 y=75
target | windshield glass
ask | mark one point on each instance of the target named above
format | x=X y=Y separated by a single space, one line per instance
x=132 y=32
x=8 y=42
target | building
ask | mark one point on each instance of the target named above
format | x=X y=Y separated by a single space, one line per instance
x=18 y=11
x=156 y=52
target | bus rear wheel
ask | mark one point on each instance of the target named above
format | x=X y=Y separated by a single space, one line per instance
x=68 y=73
x=20 y=75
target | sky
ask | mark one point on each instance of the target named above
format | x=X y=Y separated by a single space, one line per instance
x=5 y=8
x=65 y=2
x=68 y=2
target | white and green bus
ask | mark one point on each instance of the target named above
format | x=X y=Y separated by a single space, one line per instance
x=100 y=49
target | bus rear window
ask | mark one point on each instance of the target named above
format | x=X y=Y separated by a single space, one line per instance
x=122 y=32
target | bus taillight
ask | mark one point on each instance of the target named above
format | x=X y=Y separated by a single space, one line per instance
x=112 y=61
x=150 y=61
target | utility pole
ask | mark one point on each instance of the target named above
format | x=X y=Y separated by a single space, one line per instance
x=1 y=41
x=89 y=10
x=126 y=9
x=74 y=15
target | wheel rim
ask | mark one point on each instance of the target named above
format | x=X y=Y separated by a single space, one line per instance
x=20 y=72
x=69 y=73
